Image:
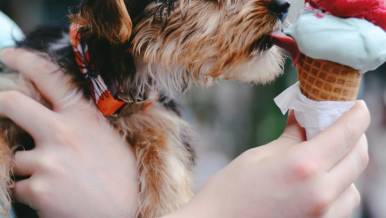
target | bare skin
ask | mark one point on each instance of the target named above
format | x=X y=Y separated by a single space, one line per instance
x=74 y=174
x=78 y=157
x=291 y=178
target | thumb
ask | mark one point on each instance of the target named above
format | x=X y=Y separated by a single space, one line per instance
x=293 y=132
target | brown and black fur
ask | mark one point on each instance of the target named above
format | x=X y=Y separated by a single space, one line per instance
x=147 y=51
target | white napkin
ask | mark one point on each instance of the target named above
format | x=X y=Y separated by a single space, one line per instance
x=314 y=116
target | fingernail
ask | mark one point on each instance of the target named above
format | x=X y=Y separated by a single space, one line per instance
x=4 y=53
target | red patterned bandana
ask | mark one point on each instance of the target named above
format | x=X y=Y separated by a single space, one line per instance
x=105 y=101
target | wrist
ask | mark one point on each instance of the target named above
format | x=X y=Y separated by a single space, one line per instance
x=192 y=210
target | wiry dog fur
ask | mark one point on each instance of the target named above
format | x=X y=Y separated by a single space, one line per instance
x=148 y=49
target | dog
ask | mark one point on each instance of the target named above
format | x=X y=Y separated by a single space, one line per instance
x=132 y=57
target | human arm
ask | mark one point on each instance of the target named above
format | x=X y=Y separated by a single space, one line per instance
x=286 y=178
x=290 y=177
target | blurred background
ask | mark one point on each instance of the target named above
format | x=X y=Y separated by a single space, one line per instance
x=231 y=117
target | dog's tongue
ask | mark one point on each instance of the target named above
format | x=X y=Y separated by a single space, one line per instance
x=287 y=43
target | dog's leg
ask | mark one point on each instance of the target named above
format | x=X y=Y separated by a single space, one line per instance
x=164 y=161
x=164 y=179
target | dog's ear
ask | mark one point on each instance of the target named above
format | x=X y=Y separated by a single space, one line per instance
x=108 y=19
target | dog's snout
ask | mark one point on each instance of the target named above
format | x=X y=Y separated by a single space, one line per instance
x=279 y=8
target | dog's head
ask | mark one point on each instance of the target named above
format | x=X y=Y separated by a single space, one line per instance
x=192 y=40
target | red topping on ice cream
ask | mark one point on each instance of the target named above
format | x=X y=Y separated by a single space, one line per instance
x=371 y=10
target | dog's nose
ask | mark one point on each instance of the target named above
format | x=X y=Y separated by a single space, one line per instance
x=279 y=8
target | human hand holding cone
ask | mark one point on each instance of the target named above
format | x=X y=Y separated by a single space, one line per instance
x=331 y=55
x=324 y=92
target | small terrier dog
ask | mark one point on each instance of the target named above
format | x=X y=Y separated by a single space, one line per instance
x=131 y=57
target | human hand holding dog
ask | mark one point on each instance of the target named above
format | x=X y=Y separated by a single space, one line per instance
x=74 y=174
x=290 y=177
x=80 y=166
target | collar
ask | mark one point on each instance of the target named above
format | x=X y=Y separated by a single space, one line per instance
x=107 y=104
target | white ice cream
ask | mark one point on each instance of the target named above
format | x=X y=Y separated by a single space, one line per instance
x=349 y=41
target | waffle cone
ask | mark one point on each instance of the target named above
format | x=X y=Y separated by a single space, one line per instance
x=322 y=80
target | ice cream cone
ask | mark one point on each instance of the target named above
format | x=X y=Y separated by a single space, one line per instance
x=322 y=80
x=342 y=50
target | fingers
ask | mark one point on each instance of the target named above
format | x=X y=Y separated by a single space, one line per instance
x=24 y=163
x=27 y=113
x=344 y=206
x=23 y=192
x=335 y=195
x=350 y=168
x=337 y=141
x=47 y=76
x=293 y=132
